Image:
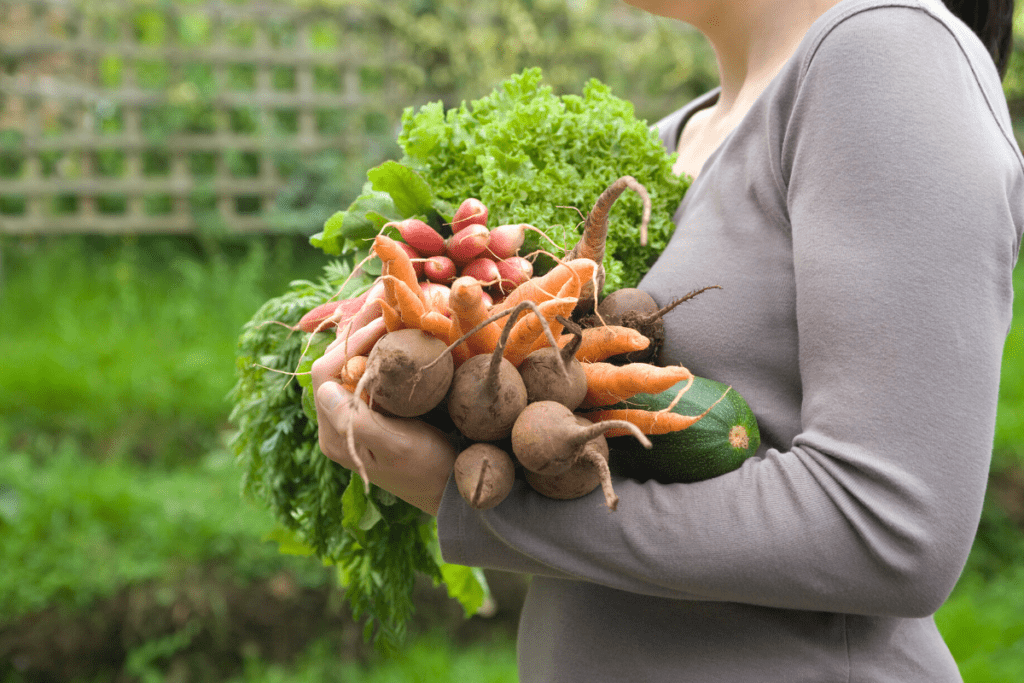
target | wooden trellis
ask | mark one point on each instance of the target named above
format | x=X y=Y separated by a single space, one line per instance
x=251 y=88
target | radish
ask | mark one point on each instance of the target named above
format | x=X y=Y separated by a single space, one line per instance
x=420 y=236
x=436 y=296
x=506 y=240
x=513 y=271
x=468 y=243
x=471 y=212
x=440 y=269
x=483 y=269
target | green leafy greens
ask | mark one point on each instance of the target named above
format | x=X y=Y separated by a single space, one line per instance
x=529 y=156
x=532 y=157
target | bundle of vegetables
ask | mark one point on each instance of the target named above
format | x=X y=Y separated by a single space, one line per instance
x=525 y=155
x=416 y=345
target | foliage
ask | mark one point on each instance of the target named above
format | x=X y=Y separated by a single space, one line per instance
x=981 y=623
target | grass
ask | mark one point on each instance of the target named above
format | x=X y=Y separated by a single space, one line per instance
x=75 y=529
x=123 y=338
x=430 y=658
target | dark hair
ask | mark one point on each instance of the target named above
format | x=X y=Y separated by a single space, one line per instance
x=992 y=21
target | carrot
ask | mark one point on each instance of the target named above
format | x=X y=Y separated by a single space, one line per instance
x=527 y=329
x=595 y=232
x=468 y=311
x=650 y=422
x=608 y=384
x=352 y=372
x=545 y=287
x=396 y=264
x=602 y=342
x=415 y=313
x=392 y=319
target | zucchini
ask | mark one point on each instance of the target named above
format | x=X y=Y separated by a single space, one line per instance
x=717 y=443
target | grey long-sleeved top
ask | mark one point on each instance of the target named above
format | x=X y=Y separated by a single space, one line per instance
x=863 y=221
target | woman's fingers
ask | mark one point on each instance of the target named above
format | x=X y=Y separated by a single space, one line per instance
x=356 y=343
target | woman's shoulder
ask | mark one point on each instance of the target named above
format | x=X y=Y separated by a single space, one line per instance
x=889 y=34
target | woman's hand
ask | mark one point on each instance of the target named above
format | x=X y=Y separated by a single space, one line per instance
x=404 y=456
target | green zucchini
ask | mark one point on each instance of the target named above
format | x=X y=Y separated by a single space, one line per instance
x=717 y=443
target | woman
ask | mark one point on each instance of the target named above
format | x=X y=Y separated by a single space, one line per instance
x=860 y=198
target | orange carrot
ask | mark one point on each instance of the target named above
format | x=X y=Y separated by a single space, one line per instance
x=468 y=310
x=397 y=264
x=548 y=286
x=604 y=341
x=529 y=327
x=608 y=384
x=392 y=319
x=352 y=371
x=649 y=422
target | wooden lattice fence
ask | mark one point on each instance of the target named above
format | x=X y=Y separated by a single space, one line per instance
x=134 y=116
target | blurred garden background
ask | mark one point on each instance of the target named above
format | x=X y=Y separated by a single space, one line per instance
x=162 y=166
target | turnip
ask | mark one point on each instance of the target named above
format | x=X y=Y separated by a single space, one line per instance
x=487 y=393
x=588 y=472
x=408 y=372
x=484 y=474
x=543 y=377
x=636 y=309
x=547 y=439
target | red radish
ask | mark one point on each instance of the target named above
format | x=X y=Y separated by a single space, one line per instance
x=415 y=257
x=483 y=269
x=506 y=240
x=318 y=319
x=488 y=299
x=513 y=272
x=471 y=212
x=468 y=243
x=328 y=315
x=436 y=296
x=420 y=236
x=440 y=269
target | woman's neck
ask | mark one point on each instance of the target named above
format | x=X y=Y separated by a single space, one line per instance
x=751 y=39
